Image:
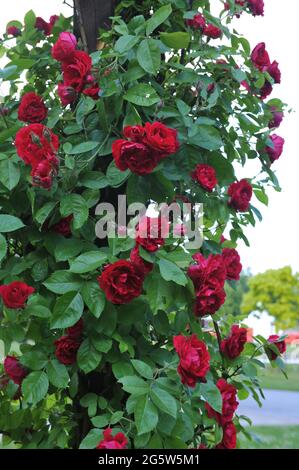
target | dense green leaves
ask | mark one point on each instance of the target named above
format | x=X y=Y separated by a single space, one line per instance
x=87 y=262
x=35 y=387
x=149 y=55
x=142 y=95
x=146 y=415
x=158 y=18
x=67 y=310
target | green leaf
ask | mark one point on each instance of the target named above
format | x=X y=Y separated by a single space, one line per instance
x=3 y=247
x=224 y=169
x=134 y=385
x=9 y=173
x=10 y=223
x=67 y=310
x=116 y=177
x=149 y=56
x=88 y=262
x=94 y=298
x=164 y=401
x=43 y=213
x=92 y=439
x=177 y=40
x=83 y=147
x=88 y=357
x=158 y=18
x=94 y=180
x=206 y=137
x=261 y=196
x=34 y=360
x=58 y=374
x=212 y=395
x=84 y=107
x=61 y=282
x=29 y=20
x=126 y=43
x=76 y=205
x=142 y=95
x=35 y=387
x=146 y=415
x=100 y=421
x=142 y=368
x=171 y=272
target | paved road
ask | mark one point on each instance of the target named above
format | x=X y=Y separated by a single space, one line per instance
x=280 y=407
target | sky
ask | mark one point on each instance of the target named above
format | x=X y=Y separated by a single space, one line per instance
x=274 y=240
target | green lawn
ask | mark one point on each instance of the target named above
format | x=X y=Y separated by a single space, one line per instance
x=272 y=437
x=275 y=380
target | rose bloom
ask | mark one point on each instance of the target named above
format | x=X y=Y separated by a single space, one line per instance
x=256 y=7
x=208 y=271
x=260 y=57
x=229 y=440
x=64 y=226
x=266 y=90
x=42 y=25
x=231 y=259
x=32 y=108
x=121 y=281
x=233 y=345
x=194 y=359
x=274 y=71
x=35 y=142
x=119 y=441
x=134 y=133
x=229 y=403
x=15 y=294
x=212 y=31
x=14 y=369
x=13 y=31
x=205 y=175
x=144 y=266
x=277 y=117
x=67 y=94
x=151 y=232
x=275 y=152
x=76 y=330
x=75 y=72
x=240 y=194
x=208 y=300
x=281 y=346
x=197 y=22
x=64 y=48
x=66 y=349
x=93 y=92
x=161 y=139
x=135 y=156
x=42 y=174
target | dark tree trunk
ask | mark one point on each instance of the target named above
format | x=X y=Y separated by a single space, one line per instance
x=89 y=16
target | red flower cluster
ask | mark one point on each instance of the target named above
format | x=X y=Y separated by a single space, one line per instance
x=261 y=60
x=281 y=346
x=121 y=281
x=277 y=117
x=63 y=227
x=32 y=108
x=205 y=175
x=229 y=439
x=194 y=359
x=76 y=69
x=275 y=152
x=240 y=194
x=198 y=22
x=144 y=266
x=15 y=294
x=233 y=345
x=144 y=147
x=13 y=31
x=37 y=146
x=256 y=7
x=208 y=277
x=119 y=441
x=46 y=27
x=231 y=259
x=67 y=346
x=14 y=369
x=151 y=232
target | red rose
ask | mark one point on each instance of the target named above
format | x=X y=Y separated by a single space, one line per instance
x=15 y=294
x=274 y=71
x=281 y=346
x=208 y=300
x=151 y=232
x=64 y=226
x=64 y=48
x=240 y=194
x=121 y=281
x=53 y=20
x=43 y=173
x=76 y=330
x=161 y=139
x=205 y=175
x=231 y=259
x=67 y=94
x=260 y=57
x=232 y=346
x=140 y=263
x=212 y=31
x=208 y=271
x=42 y=25
x=66 y=349
x=32 y=108
x=229 y=403
x=194 y=359
x=197 y=22
x=93 y=92
x=119 y=441
x=134 y=133
x=229 y=440
x=277 y=117
x=13 y=31
x=14 y=369
x=275 y=152
x=135 y=156
x=266 y=90
x=75 y=72
x=35 y=142
x=256 y=7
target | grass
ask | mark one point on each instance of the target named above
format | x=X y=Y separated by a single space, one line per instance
x=272 y=437
x=275 y=380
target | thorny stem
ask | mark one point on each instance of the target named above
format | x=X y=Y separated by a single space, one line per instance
x=218 y=334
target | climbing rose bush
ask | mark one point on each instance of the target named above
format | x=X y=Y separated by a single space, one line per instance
x=124 y=342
